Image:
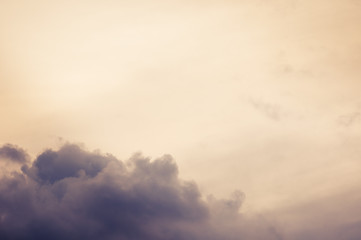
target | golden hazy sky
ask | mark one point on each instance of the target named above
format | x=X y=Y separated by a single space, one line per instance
x=262 y=96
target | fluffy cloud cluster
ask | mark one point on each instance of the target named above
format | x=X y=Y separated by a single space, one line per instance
x=13 y=153
x=75 y=194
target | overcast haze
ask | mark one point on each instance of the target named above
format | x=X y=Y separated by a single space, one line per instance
x=257 y=96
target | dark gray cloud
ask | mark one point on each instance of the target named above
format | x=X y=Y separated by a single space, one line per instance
x=13 y=153
x=75 y=194
x=71 y=193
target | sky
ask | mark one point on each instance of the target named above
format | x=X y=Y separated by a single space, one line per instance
x=254 y=99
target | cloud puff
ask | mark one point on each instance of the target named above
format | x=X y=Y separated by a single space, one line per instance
x=13 y=153
x=75 y=194
x=72 y=193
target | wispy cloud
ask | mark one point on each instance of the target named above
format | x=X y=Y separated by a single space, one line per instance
x=350 y=119
x=272 y=111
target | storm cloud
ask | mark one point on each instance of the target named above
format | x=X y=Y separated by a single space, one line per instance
x=13 y=153
x=75 y=194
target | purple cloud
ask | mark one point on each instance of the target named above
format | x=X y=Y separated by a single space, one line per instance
x=75 y=194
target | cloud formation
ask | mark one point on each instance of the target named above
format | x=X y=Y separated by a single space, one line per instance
x=72 y=193
x=13 y=153
x=75 y=194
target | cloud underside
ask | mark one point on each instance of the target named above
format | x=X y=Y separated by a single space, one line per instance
x=12 y=153
x=72 y=193
x=75 y=194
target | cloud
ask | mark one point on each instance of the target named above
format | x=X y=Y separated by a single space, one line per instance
x=75 y=194
x=272 y=111
x=13 y=153
x=72 y=193
x=349 y=119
